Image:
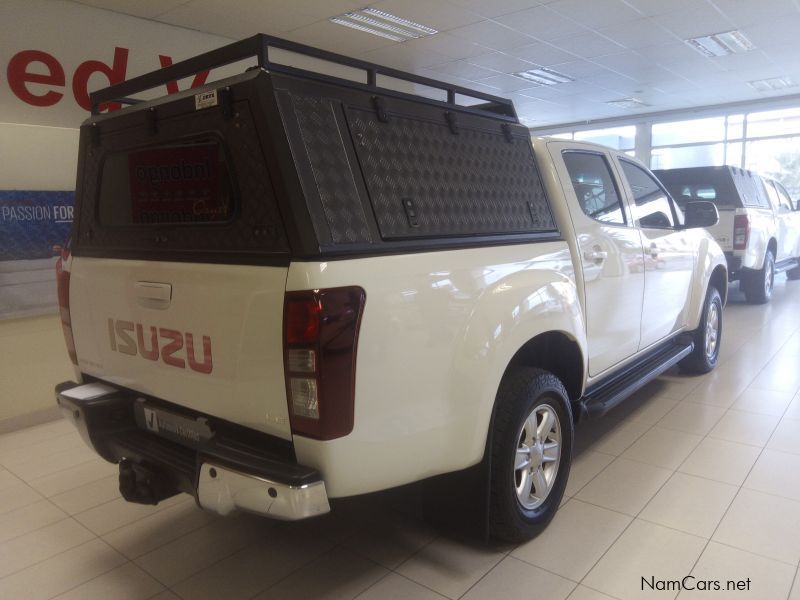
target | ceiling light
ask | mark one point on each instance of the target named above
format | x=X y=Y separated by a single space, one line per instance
x=721 y=44
x=399 y=20
x=628 y=103
x=543 y=76
x=770 y=85
x=383 y=24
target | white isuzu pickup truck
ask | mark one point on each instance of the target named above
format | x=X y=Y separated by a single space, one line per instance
x=285 y=287
x=759 y=224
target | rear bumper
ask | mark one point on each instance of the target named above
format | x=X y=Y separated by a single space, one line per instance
x=223 y=473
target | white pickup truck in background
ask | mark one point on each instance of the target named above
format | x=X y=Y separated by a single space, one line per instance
x=285 y=287
x=759 y=224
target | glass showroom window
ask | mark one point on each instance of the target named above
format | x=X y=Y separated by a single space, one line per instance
x=698 y=142
x=773 y=123
x=687 y=156
x=778 y=158
x=689 y=132
x=620 y=138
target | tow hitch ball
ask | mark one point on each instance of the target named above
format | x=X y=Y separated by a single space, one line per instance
x=140 y=484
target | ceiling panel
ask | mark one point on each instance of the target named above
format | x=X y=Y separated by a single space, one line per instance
x=542 y=22
x=465 y=70
x=449 y=45
x=597 y=13
x=587 y=45
x=137 y=8
x=404 y=57
x=251 y=18
x=612 y=48
x=748 y=12
x=651 y=8
x=504 y=63
x=542 y=53
x=641 y=33
x=700 y=19
x=498 y=7
x=492 y=35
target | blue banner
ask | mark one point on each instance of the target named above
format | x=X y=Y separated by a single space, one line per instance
x=33 y=224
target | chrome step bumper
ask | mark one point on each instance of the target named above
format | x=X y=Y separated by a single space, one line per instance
x=222 y=474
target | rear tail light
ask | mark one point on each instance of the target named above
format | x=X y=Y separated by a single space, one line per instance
x=319 y=353
x=62 y=286
x=741 y=231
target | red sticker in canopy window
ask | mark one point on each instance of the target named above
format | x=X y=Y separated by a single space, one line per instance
x=178 y=184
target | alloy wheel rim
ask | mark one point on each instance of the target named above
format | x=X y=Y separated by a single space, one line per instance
x=537 y=456
x=712 y=330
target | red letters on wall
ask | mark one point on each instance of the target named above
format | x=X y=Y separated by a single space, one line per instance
x=19 y=77
x=26 y=68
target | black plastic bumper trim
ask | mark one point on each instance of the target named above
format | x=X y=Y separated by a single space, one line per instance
x=107 y=424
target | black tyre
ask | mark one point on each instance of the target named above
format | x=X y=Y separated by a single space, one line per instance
x=758 y=284
x=531 y=453
x=707 y=337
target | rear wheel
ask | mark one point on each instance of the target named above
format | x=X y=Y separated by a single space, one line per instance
x=707 y=336
x=531 y=453
x=758 y=284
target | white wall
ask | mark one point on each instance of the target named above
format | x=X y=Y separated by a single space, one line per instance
x=36 y=157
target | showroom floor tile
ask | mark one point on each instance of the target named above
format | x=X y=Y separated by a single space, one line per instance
x=694 y=475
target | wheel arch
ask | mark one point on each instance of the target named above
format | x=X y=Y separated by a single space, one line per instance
x=556 y=352
x=719 y=279
x=772 y=245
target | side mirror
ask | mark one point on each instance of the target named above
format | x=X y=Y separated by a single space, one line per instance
x=700 y=213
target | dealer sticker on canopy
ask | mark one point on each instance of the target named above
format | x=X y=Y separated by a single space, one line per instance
x=205 y=100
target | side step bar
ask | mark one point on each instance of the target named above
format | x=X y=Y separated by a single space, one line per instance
x=598 y=400
x=786 y=264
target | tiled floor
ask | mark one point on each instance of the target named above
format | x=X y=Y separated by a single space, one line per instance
x=695 y=475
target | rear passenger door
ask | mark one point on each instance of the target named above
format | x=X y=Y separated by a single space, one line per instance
x=669 y=254
x=787 y=220
x=610 y=253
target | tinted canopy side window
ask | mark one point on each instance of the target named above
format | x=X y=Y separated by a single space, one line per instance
x=653 y=207
x=594 y=186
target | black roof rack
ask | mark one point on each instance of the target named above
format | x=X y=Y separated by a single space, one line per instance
x=259 y=46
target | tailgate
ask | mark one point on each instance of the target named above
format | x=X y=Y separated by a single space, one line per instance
x=207 y=337
x=723 y=231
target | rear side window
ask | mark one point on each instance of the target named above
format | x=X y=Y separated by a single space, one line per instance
x=594 y=186
x=772 y=193
x=653 y=208
x=169 y=184
x=785 y=199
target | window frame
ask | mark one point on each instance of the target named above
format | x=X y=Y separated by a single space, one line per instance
x=614 y=181
x=670 y=200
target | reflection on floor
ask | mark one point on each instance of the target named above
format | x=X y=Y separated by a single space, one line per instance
x=695 y=475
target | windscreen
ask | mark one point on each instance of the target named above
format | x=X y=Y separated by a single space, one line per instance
x=168 y=184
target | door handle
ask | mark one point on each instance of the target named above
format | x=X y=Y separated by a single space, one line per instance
x=151 y=294
x=595 y=255
x=653 y=251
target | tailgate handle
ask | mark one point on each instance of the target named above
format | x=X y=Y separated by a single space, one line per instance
x=151 y=294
